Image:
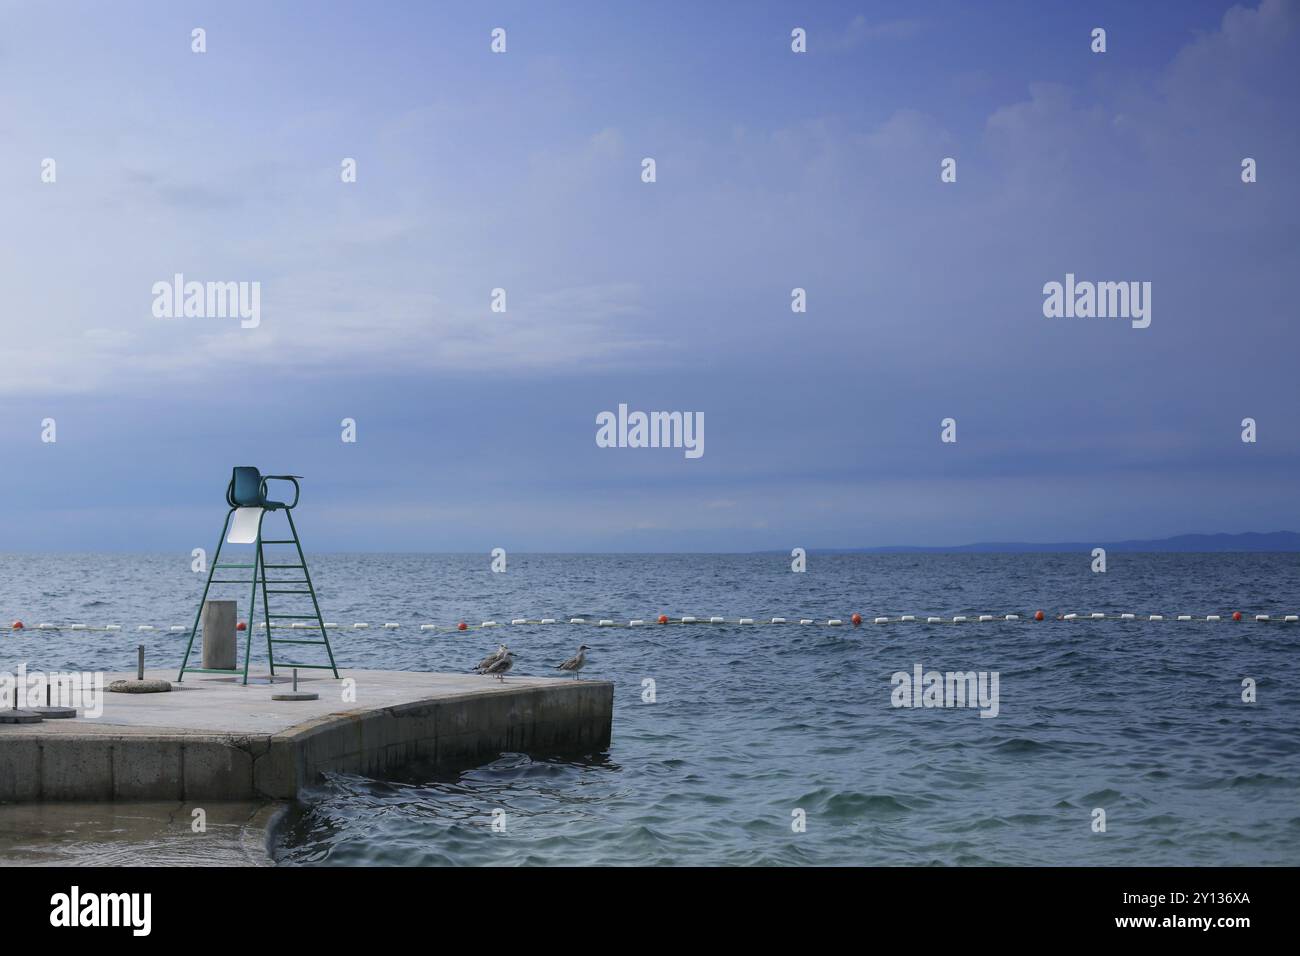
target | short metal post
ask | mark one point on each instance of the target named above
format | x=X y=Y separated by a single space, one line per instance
x=295 y=680
x=139 y=667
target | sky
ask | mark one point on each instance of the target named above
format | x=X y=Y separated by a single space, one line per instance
x=522 y=171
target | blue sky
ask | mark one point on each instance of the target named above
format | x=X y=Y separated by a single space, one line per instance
x=522 y=171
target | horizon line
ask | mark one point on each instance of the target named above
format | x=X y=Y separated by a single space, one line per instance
x=983 y=547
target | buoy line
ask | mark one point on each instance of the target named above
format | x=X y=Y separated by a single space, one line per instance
x=855 y=620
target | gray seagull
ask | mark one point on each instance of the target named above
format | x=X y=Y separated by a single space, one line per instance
x=502 y=664
x=491 y=659
x=575 y=663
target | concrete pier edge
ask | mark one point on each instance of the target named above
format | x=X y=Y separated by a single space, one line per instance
x=225 y=743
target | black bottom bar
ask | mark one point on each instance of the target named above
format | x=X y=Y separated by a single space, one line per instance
x=954 y=909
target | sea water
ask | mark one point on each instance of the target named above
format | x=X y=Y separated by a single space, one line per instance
x=779 y=744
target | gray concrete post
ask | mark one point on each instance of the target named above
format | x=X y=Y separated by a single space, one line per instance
x=220 y=643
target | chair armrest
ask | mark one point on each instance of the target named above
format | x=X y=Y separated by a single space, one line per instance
x=290 y=478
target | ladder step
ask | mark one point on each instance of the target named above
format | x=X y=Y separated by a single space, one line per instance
x=279 y=541
x=216 y=581
x=209 y=670
x=280 y=640
x=227 y=566
x=284 y=566
x=315 y=667
x=285 y=592
x=305 y=617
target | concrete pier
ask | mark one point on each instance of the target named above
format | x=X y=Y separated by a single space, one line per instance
x=213 y=738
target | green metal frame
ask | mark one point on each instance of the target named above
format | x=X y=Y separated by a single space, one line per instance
x=259 y=568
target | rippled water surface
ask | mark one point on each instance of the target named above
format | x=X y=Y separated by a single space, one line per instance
x=751 y=723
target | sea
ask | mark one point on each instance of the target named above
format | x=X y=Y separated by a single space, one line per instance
x=1115 y=742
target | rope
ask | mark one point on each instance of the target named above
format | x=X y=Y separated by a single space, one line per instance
x=854 y=620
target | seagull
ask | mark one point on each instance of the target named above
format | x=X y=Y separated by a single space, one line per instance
x=501 y=665
x=491 y=659
x=574 y=663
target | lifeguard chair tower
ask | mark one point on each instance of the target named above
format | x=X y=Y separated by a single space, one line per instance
x=249 y=505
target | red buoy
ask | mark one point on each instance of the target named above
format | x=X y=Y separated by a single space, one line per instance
x=856 y=619
x=18 y=625
x=462 y=626
x=1236 y=615
x=1038 y=616
x=241 y=626
x=663 y=618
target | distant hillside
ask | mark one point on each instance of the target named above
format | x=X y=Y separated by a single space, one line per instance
x=1249 y=541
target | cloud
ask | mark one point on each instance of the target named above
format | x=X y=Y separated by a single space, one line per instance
x=861 y=30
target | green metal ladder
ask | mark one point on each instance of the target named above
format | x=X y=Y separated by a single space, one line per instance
x=268 y=585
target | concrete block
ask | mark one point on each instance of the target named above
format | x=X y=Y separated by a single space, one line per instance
x=77 y=768
x=148 y=769
x=219 y=635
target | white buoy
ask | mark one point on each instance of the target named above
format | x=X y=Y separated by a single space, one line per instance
x=46 y=627
x=805 y=620
x=778 y=620
x=604 y=622
x=1012 y=617
x=986 y=617
x=361 y=624
x=145 y=627
x=716 y=620
x=78 y=627
x=176 y=627
x=834 y=622
x=908 y=617
x=112 y=627
x=1127 y=617
x=634 y=623
x=1097 y=615
x=1213 y=617
x=934 y=620
x=688 y=620
x=298 y=624
x=1156 y=617
x=547 y=620
x=428 y=627
x=519 y=620
x=391 y=624
x=576 y=620
x=1184 y=617
x=1291 y=619
x=484 y=624
x=1258 y=617
x=882 y=620
x=746 y=620
x=959 y=619
x=1070 y=617
x=331 y=624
